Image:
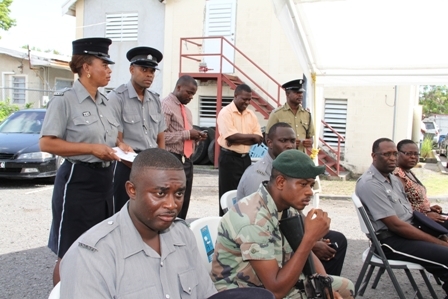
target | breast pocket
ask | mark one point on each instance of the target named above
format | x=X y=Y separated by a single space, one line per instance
x=156 y=118
x=85 y=125
x=189 y=284
x=113 y=127
x=131 y=119
x=147 y=292
x=400 y=210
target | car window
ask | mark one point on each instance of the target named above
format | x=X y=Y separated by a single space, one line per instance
x=23 y=122
x=429 y=125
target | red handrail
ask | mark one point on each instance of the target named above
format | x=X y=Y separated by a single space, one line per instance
x=191 y=40
x=338 y=151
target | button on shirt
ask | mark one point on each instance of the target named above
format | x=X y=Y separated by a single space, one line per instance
x=140 y=122
x=112 y=261
x=73 y=116
x=383 y=199
x=175 y=133
x=231 y=121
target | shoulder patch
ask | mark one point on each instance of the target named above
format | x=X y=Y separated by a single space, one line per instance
x=60 y=93
x=260 y=172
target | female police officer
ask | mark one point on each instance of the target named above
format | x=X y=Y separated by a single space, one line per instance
x=80 y=127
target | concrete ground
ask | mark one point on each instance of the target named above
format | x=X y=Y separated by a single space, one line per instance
x=26 y=264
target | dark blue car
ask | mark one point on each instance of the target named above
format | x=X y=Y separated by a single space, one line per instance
x=20 y=155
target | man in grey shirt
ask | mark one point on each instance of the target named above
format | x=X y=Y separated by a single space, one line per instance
x=139 y=111
x=281 y=137
x=142 y=251
x=384 y=199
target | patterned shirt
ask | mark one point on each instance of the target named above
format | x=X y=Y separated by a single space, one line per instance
x=249 y=231
x=415 y=191
x=175 y=133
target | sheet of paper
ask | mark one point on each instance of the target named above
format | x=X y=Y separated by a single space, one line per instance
x=123 y=156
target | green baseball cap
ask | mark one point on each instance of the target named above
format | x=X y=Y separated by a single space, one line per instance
x=296 y=164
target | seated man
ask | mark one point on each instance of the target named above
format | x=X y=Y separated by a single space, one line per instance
x=250 y=249
x=281 y=137
x=142 y=251
x=383 y=196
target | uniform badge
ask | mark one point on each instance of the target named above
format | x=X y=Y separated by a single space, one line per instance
x=86 y=113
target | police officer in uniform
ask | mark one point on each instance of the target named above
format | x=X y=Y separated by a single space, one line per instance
x=80 y=126
x=139 y=111
x=295 y=115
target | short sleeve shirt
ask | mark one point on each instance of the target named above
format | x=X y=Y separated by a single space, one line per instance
x=112 y=261
x=253 y=176
x=140 y=122
x=301 y=122
x=231 y=121
x=72 y=115
x=249 y=231
x=383 y=199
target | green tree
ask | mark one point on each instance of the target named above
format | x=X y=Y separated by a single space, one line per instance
x=5 y=20
x=434 y=99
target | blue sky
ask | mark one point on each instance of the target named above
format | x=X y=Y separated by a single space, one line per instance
x=40 y=23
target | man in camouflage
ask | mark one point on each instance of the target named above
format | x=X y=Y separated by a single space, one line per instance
x=295 y=115
x=250 y=249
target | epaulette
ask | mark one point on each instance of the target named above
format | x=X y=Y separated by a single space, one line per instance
x=277 y=109
x=154 y=93
x=90 y=240
x=60 y=93
x=120 y=89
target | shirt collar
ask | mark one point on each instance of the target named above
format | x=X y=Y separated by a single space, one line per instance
x=233 y=108
x=174 y=99
x=287 y=107
x=83 y=94
x=133 y=243
x=376 y=174
x=133 y=93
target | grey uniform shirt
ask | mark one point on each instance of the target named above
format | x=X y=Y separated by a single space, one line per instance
x=383 y=199
x=72 y=115
x=253 y=176
x=140 y=122
x=112 y=261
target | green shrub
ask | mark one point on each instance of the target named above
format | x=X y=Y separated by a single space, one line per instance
x=426 y=148
x=6 y=108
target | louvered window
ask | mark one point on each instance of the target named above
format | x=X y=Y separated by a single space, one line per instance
x=19 y=90
x=207 y=110
x=122 y=27
x=336 y=117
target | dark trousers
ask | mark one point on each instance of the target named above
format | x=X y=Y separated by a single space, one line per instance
x=121 y=175
x=188 y=168
x=420 y=252
x=334 y=266
x=231 y=168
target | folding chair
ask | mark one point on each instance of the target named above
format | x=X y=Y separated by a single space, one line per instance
x=374 y=257
x=227 y=200
x=205 y=231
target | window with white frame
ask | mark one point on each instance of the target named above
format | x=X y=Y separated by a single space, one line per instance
x=61 y=84
x=19 y=89
x=207 y=110
x=336 y=116
x=122 y=27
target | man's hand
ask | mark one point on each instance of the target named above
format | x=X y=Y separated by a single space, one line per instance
x=307 y=142
x=436 y=217
x=436 y=208
x=317 y=224
x=323 y=251
x=197 y=135
x=258 y=139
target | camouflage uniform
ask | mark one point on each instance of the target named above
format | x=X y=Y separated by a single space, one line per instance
x=300 y=122
x=250 y=231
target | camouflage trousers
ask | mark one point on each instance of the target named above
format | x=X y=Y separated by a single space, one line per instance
x=340 y=284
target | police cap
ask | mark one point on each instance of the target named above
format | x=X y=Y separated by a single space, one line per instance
x=145 y=56
x=295 y=85
x=96 y=46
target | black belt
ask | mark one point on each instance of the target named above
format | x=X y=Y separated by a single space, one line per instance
x=94 y=165
x=384 y=234
x=227 y=151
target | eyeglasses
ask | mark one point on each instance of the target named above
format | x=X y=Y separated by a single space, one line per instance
x=388 y=154
x=410 y=154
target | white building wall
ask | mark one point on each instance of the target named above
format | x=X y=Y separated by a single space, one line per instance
x=370 y=115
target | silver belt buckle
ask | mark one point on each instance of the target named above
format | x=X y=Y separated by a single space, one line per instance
x=183 y=159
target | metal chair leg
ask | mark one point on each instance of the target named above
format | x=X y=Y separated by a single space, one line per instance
x=377 y=277
x=414 y=285
x=428 y=283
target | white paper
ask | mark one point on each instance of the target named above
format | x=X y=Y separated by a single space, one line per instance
x=123 y=156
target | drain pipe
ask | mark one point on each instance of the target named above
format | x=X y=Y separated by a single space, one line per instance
x=3 y=83
x=395 y=113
